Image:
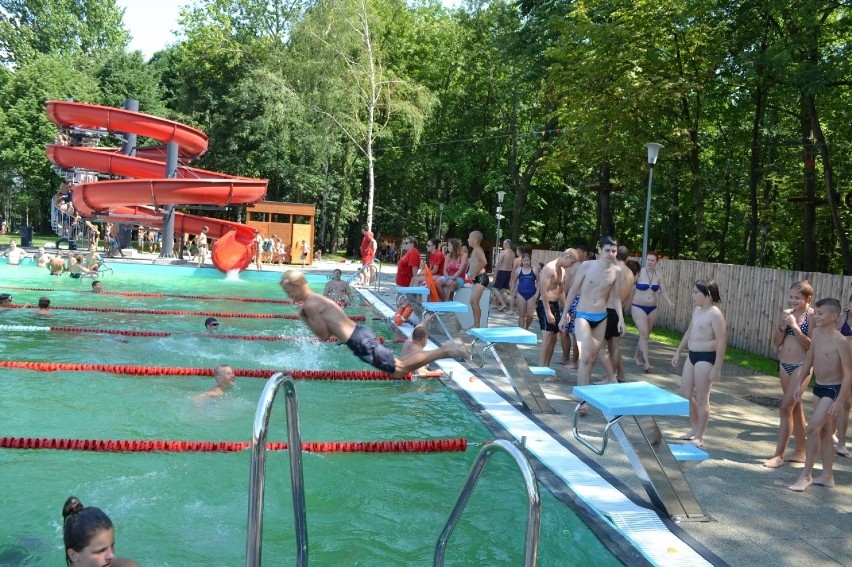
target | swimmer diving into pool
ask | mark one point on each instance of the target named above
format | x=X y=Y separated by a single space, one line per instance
x=326 y=319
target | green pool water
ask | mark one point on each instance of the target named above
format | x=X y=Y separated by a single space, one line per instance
x=178 y=509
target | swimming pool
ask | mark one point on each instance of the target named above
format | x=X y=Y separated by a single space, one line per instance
x=190 y=508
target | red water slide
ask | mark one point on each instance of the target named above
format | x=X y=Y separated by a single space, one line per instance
x=137 y=200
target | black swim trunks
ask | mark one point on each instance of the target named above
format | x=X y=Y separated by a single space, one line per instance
x=542 y=316
x=611 y=324
x=502 y=279
x=481 y=279
x=827 y=391
x=702 y=356
x=367 y=347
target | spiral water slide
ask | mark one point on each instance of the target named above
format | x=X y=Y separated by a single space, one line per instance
x=138 y=200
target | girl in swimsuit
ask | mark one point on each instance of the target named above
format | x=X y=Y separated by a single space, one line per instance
x=455 y=267
x=644 y=308
x=843 y=414
x=526 y=291
x=792 y=336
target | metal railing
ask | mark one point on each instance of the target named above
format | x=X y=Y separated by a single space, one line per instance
x=254 y=537
x=533 y=497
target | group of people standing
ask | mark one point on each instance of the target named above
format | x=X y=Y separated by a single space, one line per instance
x=814 y=342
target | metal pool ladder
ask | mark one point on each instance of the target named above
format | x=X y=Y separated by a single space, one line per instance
x=260 y=430
x=533 y=498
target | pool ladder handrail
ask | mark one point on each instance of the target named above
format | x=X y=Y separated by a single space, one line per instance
x=260 y=430
x=533 y=497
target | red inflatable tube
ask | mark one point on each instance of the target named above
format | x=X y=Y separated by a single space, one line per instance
x=181 y=446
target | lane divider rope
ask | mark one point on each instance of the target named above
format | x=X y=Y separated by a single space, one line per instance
x=157 y=294
x=132 y=333
x=136 y=370
x=223 y=314
x=164 y=446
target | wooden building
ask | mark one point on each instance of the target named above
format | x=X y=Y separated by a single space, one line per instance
x=293 y=223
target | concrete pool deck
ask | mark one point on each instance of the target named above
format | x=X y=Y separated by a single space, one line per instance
x=757 y=521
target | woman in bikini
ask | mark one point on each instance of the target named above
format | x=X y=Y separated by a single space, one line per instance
x=843 y=414
x=792 y=336
x=525 y=291
x=455 y=267
x=644 y=308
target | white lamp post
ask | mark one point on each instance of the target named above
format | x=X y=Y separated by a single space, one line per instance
x=440 y=219
x=499 y=216
x=653 y=152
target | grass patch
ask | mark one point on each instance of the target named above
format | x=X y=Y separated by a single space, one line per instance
x=732 y=355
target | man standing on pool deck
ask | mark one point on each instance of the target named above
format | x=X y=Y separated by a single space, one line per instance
x=598 y=283
x=551 y=289
x=326 y=319
x=201 y=245
x=476 y=272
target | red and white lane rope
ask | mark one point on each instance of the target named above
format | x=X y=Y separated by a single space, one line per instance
x=163 y=446
x=136 y=370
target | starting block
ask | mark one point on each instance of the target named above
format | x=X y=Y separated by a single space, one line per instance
x=445 y=315
x=503 y=343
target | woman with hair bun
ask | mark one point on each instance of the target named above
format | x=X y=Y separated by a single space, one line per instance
x=89 y=537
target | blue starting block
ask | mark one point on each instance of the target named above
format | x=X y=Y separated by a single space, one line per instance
x=655 y=462
x=503 y=343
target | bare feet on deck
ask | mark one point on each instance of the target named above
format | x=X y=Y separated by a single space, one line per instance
x=794 y=458
x=648 y=368
x=774 y=463
x=688 y=436
x=841 y=451
x=822 y=480
x=569 y=365
x=801 y=484
x=697 y=442
x=605 y=381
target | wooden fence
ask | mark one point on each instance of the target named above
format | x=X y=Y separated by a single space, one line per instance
x=752 y=298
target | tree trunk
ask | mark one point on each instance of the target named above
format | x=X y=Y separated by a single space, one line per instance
x=809 y=248
x=754 y=174
x=831 y=194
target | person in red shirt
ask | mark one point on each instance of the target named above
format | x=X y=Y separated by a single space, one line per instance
x=409 y=264
x=368 y=252
x=436 y=261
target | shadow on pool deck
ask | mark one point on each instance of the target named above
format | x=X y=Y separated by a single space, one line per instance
x=757 y=521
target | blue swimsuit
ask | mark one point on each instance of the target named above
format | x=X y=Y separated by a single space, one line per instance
x=526 y=284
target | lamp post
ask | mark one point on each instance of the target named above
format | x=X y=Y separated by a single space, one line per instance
x=440 y=219
x=653 y=151
x=499 y=216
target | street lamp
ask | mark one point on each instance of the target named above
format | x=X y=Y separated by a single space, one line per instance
x=440 y=219
x=499 y=216
x=653 y=151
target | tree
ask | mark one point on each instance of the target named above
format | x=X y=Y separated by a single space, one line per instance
x=59 y=27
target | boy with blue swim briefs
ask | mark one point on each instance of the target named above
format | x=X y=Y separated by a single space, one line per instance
x=326 y=319
x=598 y=283
x=831 y=360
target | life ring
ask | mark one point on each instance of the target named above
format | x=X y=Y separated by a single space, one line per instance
x=402 y=314
x=430 y=283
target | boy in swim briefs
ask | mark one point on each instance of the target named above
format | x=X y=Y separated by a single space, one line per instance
x=598 y=283
x=476 y=272
x=326 y=319
x=706 y=338
x=831 y=360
